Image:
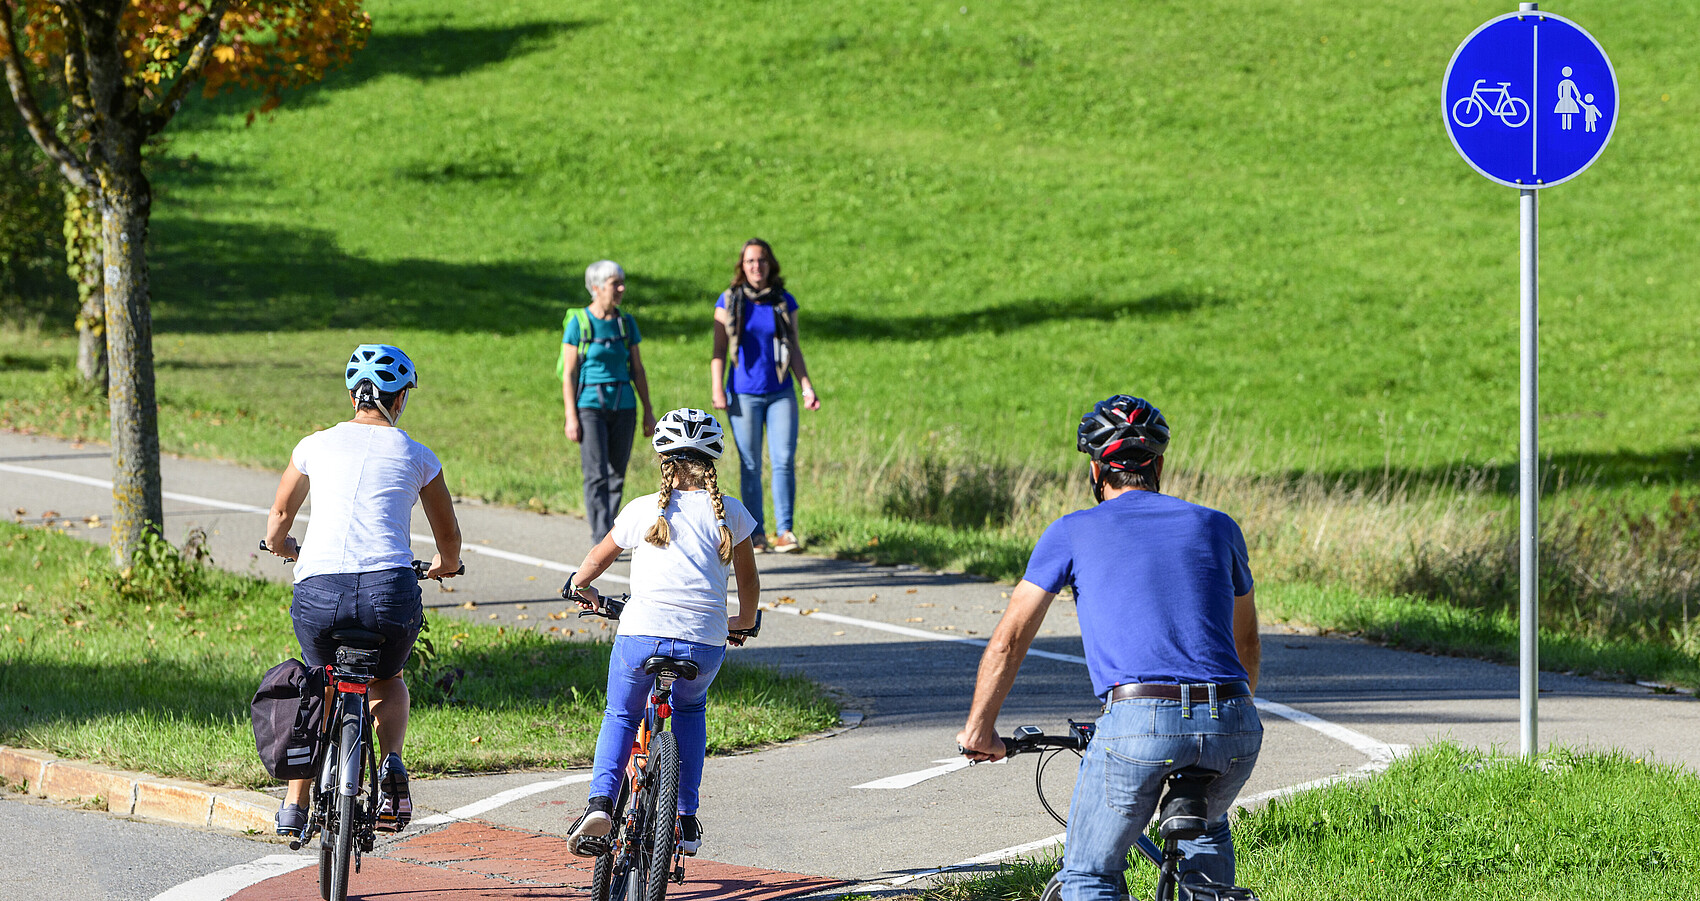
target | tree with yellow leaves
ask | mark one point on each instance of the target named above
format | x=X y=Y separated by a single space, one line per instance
x=124 y=67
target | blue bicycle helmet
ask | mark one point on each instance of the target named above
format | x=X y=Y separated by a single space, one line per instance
x=384 y=365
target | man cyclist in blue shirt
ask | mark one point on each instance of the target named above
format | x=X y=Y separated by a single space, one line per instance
x=1167 y=615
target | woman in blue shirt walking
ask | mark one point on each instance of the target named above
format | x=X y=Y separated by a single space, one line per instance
x=756 y=331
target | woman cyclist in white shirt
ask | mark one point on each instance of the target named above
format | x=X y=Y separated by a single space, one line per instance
x=354 y=569
x=683 y=539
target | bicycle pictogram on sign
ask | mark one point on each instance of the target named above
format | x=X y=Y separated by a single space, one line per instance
x=1512 y=111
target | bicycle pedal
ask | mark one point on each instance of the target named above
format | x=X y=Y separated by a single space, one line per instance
x=595 y=846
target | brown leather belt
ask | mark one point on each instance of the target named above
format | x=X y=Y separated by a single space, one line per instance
x=1199 y=692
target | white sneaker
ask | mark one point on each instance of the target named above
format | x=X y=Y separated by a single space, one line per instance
x=585 y=838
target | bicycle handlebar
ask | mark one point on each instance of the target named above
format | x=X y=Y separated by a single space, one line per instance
x=420 y=567
x=1029 y=739
x=609 y=607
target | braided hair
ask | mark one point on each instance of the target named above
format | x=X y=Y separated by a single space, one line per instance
x=681 y=468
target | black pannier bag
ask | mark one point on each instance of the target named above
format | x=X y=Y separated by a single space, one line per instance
x=289 y=713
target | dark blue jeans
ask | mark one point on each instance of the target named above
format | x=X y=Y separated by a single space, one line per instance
x=387 y=602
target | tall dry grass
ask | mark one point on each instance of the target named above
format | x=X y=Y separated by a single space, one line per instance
x=1607 y=571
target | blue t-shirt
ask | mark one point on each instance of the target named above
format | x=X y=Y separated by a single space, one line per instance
x=1154 y=583
x=604 y=370
x=756 y=371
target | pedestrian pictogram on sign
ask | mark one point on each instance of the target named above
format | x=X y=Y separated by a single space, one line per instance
x=1530 y=99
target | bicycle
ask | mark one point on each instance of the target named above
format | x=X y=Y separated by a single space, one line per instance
x=344 y=805
x=1182 y=815
x=1505 y=107
x=636 y=860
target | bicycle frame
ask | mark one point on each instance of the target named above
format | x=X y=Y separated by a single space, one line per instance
x=656 y=714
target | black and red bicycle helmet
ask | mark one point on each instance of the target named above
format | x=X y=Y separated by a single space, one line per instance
x=1123 y=432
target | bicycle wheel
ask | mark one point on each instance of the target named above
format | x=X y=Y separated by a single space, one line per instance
x=1511 y=112
x=603 y=881
x=343 y=857
x=325 y=846
x=663 y=826
x=1472 y=110
x=1053 y=890
x=325 y=849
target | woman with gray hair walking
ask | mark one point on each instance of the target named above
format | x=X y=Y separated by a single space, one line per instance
x=602 y=383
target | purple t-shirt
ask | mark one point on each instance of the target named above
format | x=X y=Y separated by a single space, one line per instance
x=758 y=348
x=1154 y=583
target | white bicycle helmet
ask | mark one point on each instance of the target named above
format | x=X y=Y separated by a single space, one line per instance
x=685 y=430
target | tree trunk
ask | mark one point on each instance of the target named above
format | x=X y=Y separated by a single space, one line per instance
x=83 y=241
x=91 y=337
x=126 y=202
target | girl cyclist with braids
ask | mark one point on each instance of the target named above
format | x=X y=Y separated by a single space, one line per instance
x=683 y=540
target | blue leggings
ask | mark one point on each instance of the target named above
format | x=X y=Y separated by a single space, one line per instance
x=628 y=693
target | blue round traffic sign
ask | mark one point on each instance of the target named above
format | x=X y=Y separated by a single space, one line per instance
x=1530 y=99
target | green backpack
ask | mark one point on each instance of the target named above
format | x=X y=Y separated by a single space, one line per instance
x=581 y=315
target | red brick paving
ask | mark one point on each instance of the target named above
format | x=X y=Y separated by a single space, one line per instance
x=472 y=860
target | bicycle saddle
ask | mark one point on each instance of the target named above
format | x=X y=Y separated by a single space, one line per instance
x=672 y=666
x=357 y=638
x=1184 y=814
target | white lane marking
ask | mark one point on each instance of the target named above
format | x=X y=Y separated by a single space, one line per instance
x=917 y=633
x=263 y=511
x=499 y=799
x=1377 y=751
x=997 y=856
x=230 y=880
x=904 y=780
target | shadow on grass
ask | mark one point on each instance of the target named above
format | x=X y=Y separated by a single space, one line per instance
x=1013 y=316
x=1673 y=467
x=34 y=691
x=26 y=363
x=423 y=55
x=213 y=278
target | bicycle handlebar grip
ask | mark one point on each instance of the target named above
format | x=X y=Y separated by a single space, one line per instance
x=268 y=550
x=752 y=631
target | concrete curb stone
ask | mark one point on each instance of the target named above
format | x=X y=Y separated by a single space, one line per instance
x=20 y=767
x=137 y=794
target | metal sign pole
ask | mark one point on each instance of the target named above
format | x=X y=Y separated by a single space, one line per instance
x=1528 y=465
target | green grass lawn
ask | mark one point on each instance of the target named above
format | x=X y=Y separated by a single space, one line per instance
x=161 y=682
x=1452 y=825
x=991 y=215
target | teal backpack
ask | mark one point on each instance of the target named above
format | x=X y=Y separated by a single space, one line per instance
x=581 y=315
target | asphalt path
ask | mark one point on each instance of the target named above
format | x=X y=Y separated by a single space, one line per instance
x=883 y=802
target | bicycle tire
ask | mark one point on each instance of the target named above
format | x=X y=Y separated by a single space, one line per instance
x=602 y=875
x=1511 y=106
x=1053 y=890
x=1467 y=103
x=343 y=857
x=663 y=826
x=325 y=848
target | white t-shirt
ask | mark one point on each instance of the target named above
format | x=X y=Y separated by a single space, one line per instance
x=679 y=591
x=363 y=481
